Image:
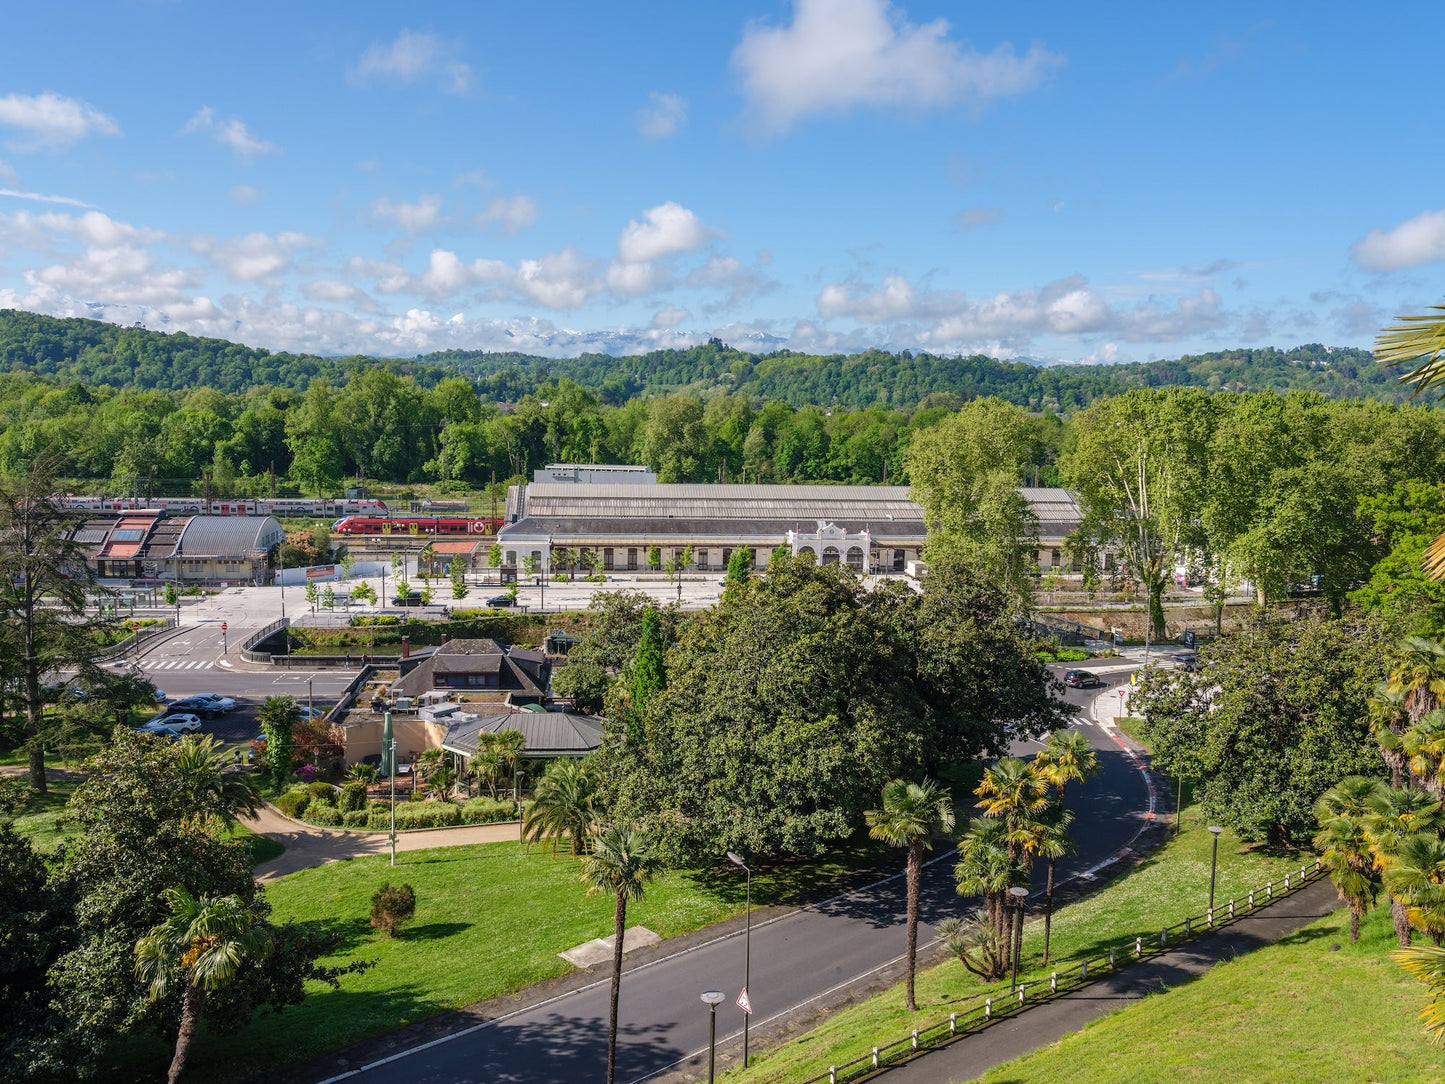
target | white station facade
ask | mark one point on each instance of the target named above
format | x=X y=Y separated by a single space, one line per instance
x=872 y=529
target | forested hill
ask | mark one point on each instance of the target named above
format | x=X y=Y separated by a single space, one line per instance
x=94 y=352
x=98 y=353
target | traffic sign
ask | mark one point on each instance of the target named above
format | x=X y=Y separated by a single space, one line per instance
x=744 y=1003
x=223 y=626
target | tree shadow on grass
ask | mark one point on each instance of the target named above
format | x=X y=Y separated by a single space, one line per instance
x=433 y=931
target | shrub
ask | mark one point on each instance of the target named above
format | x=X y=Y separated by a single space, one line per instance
x=356 y=818
x=323 y=791
x=378 y=820
x=293 y=803
x=324 y=814
x=352 y=798
x=428 y=815
x=487 y=810
x=391 y=905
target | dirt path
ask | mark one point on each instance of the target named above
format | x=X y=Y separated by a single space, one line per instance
x=308 y=845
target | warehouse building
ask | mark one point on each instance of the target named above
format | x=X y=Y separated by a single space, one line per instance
x=873 y=529
x=148 y=545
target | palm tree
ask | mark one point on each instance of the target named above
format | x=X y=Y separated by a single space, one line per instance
x=986 y=868
x=563 y=804
x=1054 y=843
x=212 y=788
x=202 y=945
x=621 y=864
x=363 y=772
x=1067 y=757
x=1387 y=723
x=1344 y=844
x=440 y=781
x=1395 y=816
x=1418 y=676
x=1417 y=877
x=911 y=813
x=1427 y=963
x=1423 y=744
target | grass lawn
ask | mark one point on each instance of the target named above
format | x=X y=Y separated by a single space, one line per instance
x=1162 y=890
x=1294 y=1011
x=38 y=821
x=490 y=919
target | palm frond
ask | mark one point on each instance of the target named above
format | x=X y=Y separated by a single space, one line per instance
x=1418 y=340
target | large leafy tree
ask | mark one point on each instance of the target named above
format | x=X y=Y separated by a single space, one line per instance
x=965 y=473
x=145 y=828
x=200 y=947
x=1276 y=716
x=1139 y=466
x=43 y=583
x=35 y=918
x=621 y=865
x=909 y=816
x=788 y=707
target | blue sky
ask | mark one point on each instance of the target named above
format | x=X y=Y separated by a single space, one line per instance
x=1043 y=180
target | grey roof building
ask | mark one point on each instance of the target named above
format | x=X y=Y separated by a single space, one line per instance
x=544 y=733
x=881 y=527
x=480 y=665
x=149 y=544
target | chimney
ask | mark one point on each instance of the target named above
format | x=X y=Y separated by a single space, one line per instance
x=406 y=647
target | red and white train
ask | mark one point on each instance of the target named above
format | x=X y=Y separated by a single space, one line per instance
x=293 y=507
x=464 y=525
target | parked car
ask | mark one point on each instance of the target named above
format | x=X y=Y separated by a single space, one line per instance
x=498 y=601
x=172 y=725
x=207 y=704
x=1081 y=679
x=411 y=599
x=1189 y=662
x=310 y=712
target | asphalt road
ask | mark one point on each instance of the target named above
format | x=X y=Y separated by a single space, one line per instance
x=796 y=959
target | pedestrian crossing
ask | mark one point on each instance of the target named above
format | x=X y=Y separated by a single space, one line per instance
x=180 y=664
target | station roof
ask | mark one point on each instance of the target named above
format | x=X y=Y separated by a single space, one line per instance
x=544 y=733
x=228 y=536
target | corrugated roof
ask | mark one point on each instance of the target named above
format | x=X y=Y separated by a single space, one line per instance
x=228 y=536
x=544 y=733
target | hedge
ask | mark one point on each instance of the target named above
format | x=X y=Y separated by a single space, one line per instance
x=293 y=803
x=487 y=810
x=328 y=816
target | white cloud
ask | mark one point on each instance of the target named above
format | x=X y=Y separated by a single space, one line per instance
x=68 y=201
x=559 y=280
x=412 y=217
x=729 y=274
x=1416 y=241
x=331 y=290
x=230 y=132
x=411 y=57
x=669 y=228
x=971 y=218
x=245 y=195
x=254 y=257
x=446 y=274
x=635 y=279
x=511 y=213
x=662 y=116
x=669 y=316
x=1065 y=307
x=843 y=53
x=51 y=121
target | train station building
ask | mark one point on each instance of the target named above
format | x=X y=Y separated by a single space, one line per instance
x=872 y=529
x=149 y=545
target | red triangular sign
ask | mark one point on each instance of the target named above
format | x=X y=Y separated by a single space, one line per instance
x=744 y=1003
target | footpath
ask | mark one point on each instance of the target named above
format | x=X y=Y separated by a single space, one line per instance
x=1020 y=1033
x=308 y=845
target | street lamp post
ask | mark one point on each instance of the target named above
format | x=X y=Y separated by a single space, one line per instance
x=388 y=745
x=1214 y=830
x=517 y=777
x=1019 y=894
x=712 y=999
x=736 y=860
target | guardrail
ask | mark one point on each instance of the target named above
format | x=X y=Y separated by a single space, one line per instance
x=984 y=1011
x=348 y=695
x=256 y=637
x=135 y=640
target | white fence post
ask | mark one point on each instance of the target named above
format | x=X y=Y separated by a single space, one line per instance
x=1054 y=983
x=953 y=1023
x=915 y=1038
x=1111 y=958
x=1210 y=916
x=1269 y=890
x=988 y=1008
x=832 y=1074
x=1138 y=946
x=1286 y=882
x=875 y=1057
x=1083 y=969
x=1022 y=988
x=1231 y=908
x=1188 y=928
x=1251 y=897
